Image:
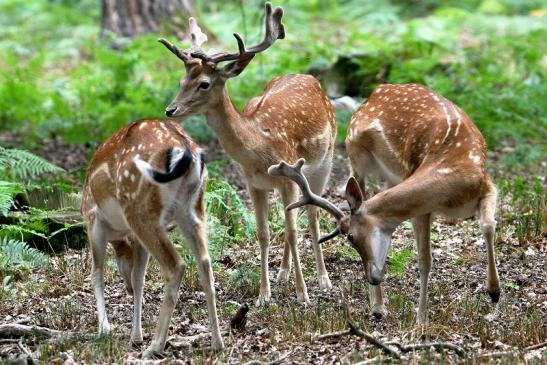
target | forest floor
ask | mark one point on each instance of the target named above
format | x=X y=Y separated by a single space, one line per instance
x=60 y=297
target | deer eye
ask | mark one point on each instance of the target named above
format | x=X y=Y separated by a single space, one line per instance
x=204 y=85
x=350 y=238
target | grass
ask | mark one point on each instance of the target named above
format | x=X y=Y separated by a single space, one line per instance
x=57 y=78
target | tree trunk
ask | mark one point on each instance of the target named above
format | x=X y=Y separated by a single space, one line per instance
x=128 y=18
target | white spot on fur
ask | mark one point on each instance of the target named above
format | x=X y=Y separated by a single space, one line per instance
x=445 y=171
x=475 y=158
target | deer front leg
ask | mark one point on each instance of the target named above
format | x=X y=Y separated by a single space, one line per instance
x=260 y=203
x=285 y=268
x=421 y=225
x=97 y=243
x=289 y=195
x=377 y=304
x=322 y=273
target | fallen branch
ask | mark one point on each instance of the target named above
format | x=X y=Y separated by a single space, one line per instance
x=436 y=345
x=535 y=347
x=30 y=359
x=328 y=336
x=21 y=330
x=354 y=330
x=274 y=362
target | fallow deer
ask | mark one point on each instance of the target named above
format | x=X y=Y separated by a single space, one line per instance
x=146 y=175
x=293 y=118
x=433 y=158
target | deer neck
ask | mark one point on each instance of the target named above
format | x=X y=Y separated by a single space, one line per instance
x=233 y=130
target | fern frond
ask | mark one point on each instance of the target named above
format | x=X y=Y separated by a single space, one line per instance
x=22 y=165
x=8 y=191
x=19 y=253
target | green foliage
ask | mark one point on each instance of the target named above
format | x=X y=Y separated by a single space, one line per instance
x=16 y=256
x=228 y=219
x=17 y=167
x=528 y=213
x=398 y=261
x=20 y=165
x=8 y=190
x=246 y=279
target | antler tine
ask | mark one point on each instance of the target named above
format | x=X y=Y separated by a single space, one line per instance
x=176 y=51
x=274 y=30
x=294 y=172
x=196 y=35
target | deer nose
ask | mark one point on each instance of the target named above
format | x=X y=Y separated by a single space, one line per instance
x=170 y=111
x=375 y=276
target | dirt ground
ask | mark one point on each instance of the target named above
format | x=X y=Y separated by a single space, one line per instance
x=460 y=312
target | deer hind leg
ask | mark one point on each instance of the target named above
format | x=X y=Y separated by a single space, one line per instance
x=260 y=204
x=140 y=262
x=488 y=226
x=289 y=195
x=317 y=184
x=97 y=241
x=132 y=260
x=154 y=238
x=421 y=226
x=192 y=224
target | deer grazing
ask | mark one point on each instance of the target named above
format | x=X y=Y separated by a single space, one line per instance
x=293 y=118
x=433 y=158
x=146 y=175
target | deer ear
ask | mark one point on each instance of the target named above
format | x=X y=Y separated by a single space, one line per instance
x=236 y=67
x=353 y=194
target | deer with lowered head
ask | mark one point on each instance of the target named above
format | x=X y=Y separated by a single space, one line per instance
x=143 y=177
x=433 y=158
x=292 y=119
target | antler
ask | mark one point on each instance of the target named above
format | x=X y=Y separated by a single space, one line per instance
x=294 y=172
x=274 y=31
x=197 y=38
x=196 y=35
x=176 y=51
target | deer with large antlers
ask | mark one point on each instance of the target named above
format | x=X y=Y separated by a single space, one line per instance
x=433 y=158
x=293 y=118
x=148 y=174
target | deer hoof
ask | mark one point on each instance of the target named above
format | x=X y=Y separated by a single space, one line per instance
x=495 y=296
x=324 y=282
x=303 y=298
x=104 y=328
x=217 y=345
x=263 y=299
x=379 y=311
x=283 y=276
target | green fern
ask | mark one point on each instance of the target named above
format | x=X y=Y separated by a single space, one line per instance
x=16 y=255
x=8 y=190
x=22 y=165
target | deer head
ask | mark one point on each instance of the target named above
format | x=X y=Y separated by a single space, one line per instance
x=365 y=235
x=204 y=81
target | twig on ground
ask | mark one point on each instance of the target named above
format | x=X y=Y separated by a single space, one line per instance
x=21 y=330
x=420 y=346
x=9 y=341
x=330 y=335
x=30 y=359
x=374 y=360
x=373 y=340
x=274 y=362
x=535 y=347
